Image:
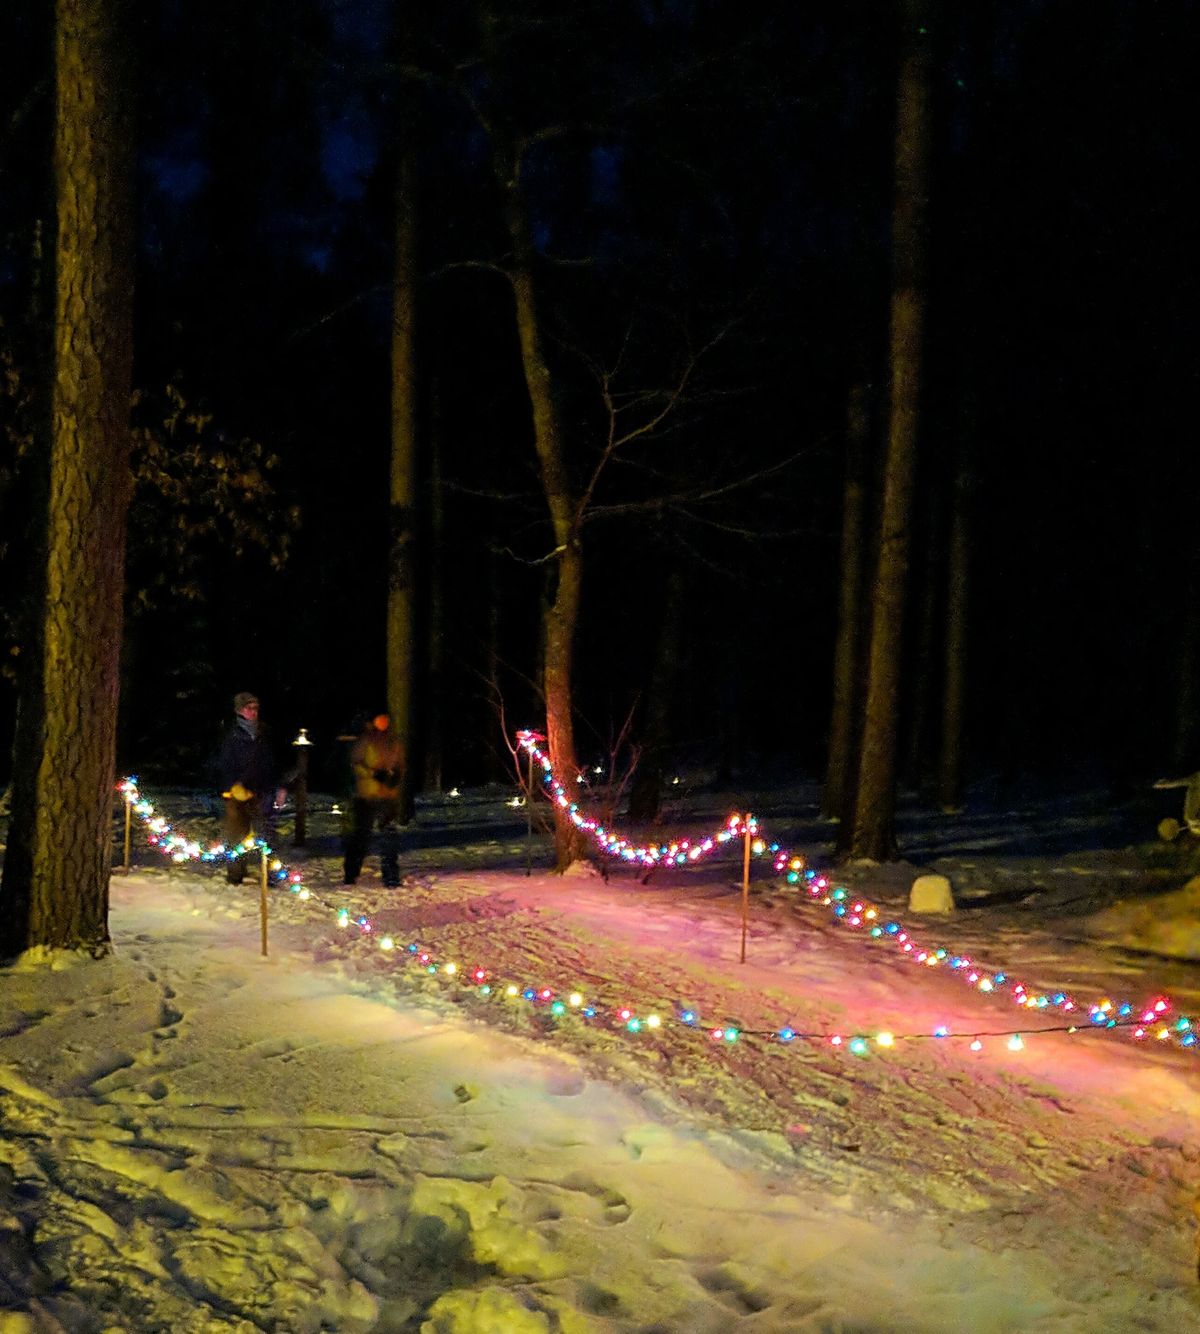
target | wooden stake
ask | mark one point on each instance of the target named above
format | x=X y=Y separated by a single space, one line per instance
x=262 y=894
x=745 y=891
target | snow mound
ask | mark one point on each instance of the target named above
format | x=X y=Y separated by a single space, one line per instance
x=1168 y=924
x=582 y=870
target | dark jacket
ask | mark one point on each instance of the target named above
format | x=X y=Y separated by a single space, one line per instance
x=247 y=759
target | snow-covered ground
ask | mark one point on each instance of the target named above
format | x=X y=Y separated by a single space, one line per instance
x=195 y=1138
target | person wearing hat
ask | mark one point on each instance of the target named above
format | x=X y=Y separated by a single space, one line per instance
x=377 y=764
x=249 y=779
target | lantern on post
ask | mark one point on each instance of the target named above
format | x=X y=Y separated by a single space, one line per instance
x=302 y=744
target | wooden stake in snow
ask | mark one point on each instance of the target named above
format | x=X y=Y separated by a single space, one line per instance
x=745 y=889
x=262 y=894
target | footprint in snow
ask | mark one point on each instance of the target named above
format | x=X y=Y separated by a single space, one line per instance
x=726 y=1283
x=615 y=1206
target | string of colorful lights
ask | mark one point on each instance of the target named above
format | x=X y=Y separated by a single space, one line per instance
x=559 y=1001
x=1148 y=1020
x=163 y=838
x=679 y=852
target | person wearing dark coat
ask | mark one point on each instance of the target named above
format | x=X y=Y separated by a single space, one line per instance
x=377 y=766
x=249 y=777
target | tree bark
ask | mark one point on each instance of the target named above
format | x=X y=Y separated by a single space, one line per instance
x=845 y=716
x=925 y=659
x=563 y=602
x=875 y=808
x=58 y=861
x=435 y=741
x=402 y=586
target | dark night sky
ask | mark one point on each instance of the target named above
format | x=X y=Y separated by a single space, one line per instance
x=753 y=196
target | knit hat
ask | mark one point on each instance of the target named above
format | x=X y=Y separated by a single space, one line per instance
x=242 y=698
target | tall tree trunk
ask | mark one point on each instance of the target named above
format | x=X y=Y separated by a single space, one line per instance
x=402 y=588
x=646 y=791
x=435 y=741
x=845 y=716
x=919 y=762
x=954 y=696
x=875 y=808
x=562 y=607
x=56 y=871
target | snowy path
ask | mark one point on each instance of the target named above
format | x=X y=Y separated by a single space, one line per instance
x=194 y=1139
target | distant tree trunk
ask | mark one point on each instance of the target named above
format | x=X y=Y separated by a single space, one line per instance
x=875 y=808
x=954 y=689
x=498 y=770
x=58 y=860
x=844 y=723
x=646 y=791
x=402 y=587
x=919 y=763
x=562 y=605
x=435 y=741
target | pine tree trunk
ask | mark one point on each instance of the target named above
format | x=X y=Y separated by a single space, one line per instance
x=954 y=696
x=55 y=886
x=402 y=589
x=844 y=722
x=919 y=762
x=875 y=808
x=435 y=741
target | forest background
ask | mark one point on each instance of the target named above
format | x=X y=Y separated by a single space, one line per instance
x=709 y=193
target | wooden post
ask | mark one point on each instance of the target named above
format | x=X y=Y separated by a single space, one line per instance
x=745 y=889
x=300 y=788
x=262 y=894
x=125 y=865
